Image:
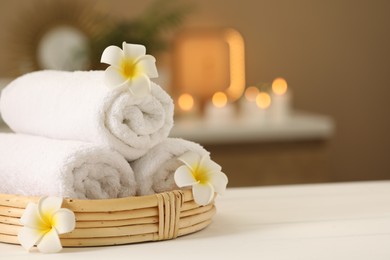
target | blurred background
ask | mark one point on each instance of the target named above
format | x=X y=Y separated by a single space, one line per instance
x=279 y=91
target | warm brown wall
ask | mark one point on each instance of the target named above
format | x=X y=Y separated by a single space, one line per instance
x=335 y=55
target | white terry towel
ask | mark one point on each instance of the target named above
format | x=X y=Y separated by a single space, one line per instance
x=79 y=106
x=37 y=166
x=154 y=172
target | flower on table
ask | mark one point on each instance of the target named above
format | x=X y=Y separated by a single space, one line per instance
x=203 y=174
x=43 y=223
x=130 y=68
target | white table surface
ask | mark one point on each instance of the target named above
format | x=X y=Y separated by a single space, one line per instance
x=298 y=126
x=322 y=221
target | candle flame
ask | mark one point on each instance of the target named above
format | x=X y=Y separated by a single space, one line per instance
x=263 y=100
x=251 y=93
x=219 y=99
x=279 y=86
x=186 y=102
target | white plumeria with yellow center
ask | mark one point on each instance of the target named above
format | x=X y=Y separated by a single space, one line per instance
x=130 y=68
x=43 y=223
x=203 y=174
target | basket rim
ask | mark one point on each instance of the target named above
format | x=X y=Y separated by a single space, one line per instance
x=96 y=205
x=126 y=220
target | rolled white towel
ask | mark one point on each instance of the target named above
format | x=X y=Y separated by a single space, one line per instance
x=78 y=106
x=154 y=172
x=37 y=166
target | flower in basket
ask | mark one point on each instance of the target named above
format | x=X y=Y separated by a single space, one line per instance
x=43 y=223
x=203 y=174
x=130 y=68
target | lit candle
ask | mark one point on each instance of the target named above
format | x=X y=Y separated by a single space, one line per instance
x=255 y=104
x=263 y=102
x=219 y=100
x=251 y=94
x=219 y=108
x=186 y=105
x=248 y=106
x=281 y=100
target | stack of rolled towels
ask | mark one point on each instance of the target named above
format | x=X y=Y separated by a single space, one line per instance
x=74 y=137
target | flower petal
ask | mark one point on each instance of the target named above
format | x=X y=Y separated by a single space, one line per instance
x=219 y=181
x=49 y=205
x=190 y=159
x=147 y=64
x=112 y=55
x=183 y=176
x=140 y=86
x=31 y=217
x=209 y=164
x=133 y=51
x=28 y=237
x=114 y=78
x=50 y=242
x=203 y=193
x=64 y=221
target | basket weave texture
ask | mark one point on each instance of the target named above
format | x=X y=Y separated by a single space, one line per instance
x=117 y=221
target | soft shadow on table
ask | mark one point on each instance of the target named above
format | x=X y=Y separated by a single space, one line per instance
x=78 y=250
x=223 y=224
x=226 y=225
x=34 y=251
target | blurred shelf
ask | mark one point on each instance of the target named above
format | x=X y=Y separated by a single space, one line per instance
x=298 y=126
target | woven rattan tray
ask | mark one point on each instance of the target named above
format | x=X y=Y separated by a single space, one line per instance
x=117 y=221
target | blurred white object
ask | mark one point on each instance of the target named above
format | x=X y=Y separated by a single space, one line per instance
x=64 y=48
x=217 y=114
x=219 y=109
x=298 y=126
x=249 y=110
x=3 y=83
x=280 y=108
x=280 y=100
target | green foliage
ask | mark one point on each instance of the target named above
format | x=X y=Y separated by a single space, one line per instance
x=159 y=18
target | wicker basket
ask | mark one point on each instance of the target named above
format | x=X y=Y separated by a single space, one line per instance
x=117 y=221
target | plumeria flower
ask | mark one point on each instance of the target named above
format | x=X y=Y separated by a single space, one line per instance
x=203 y=175
x=43 y=223
x=129 y=68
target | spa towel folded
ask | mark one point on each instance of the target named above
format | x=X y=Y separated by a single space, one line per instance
x=79 y=106
x=37 y=166
x=154 y=172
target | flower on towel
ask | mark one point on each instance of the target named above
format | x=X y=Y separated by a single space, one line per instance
x=130 y=68
x=43 y=223
x=204 y=175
